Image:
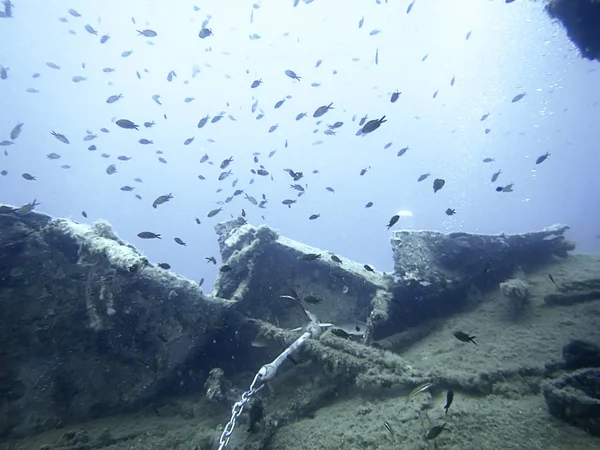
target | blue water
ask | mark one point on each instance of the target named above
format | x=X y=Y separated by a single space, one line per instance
x=512 y=48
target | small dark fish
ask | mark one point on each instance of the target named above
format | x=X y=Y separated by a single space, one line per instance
x=179 y=241
x=424 y=176
x=211 y=259
x=164 y=266
x=450 y=212
x=292 y=74
x=464 y=337
x=214 y=212
x=60 y=137
x=203 y=121
x=204 y=33
x=148 y=235
x=322 y=110
x=438 y=184
x=310 y=256
x=225 y=268
x=90 y=29
x=449 y=398
x=16 y=131
x=417 y=390
x=127 y=124
x=542 y=158
x=340 y=333
x=314 y=216
x=552 y=279
x=336 y=259
x=161 y=199
x=507 y=188
x=368 y=268
x=225 y=162
x=388 y=428
x=402 y=151
x=84 y=214
x=518 y=97
x=148 y=33
x=435 y=431
x=393 y=221
x=395 y=96
x=312 y=300
x=372 y=125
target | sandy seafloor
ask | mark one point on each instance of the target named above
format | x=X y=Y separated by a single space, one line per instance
x=513 y=416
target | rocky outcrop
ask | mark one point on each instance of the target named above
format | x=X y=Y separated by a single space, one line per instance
x=517 y=292
x=579 y=354
x=580 y=19
x=440 y=273
x=87 y=326
x=575 y=291
x=575 y=398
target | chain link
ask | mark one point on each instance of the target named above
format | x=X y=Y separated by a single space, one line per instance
x=236 y=411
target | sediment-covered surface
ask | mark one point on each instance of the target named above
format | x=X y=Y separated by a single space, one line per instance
x=336 y=392
x=498 y=400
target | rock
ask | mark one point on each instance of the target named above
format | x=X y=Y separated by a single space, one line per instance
x=565 y=299
x=575 y=398
x=580 y=19
x=216 y=386
x=579 y=354
x=517 y=292
x=88 y=327
x=442 y=273
x=441 y=258
x=575 y=291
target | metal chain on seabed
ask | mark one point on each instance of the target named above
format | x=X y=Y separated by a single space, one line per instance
x=236 y=411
